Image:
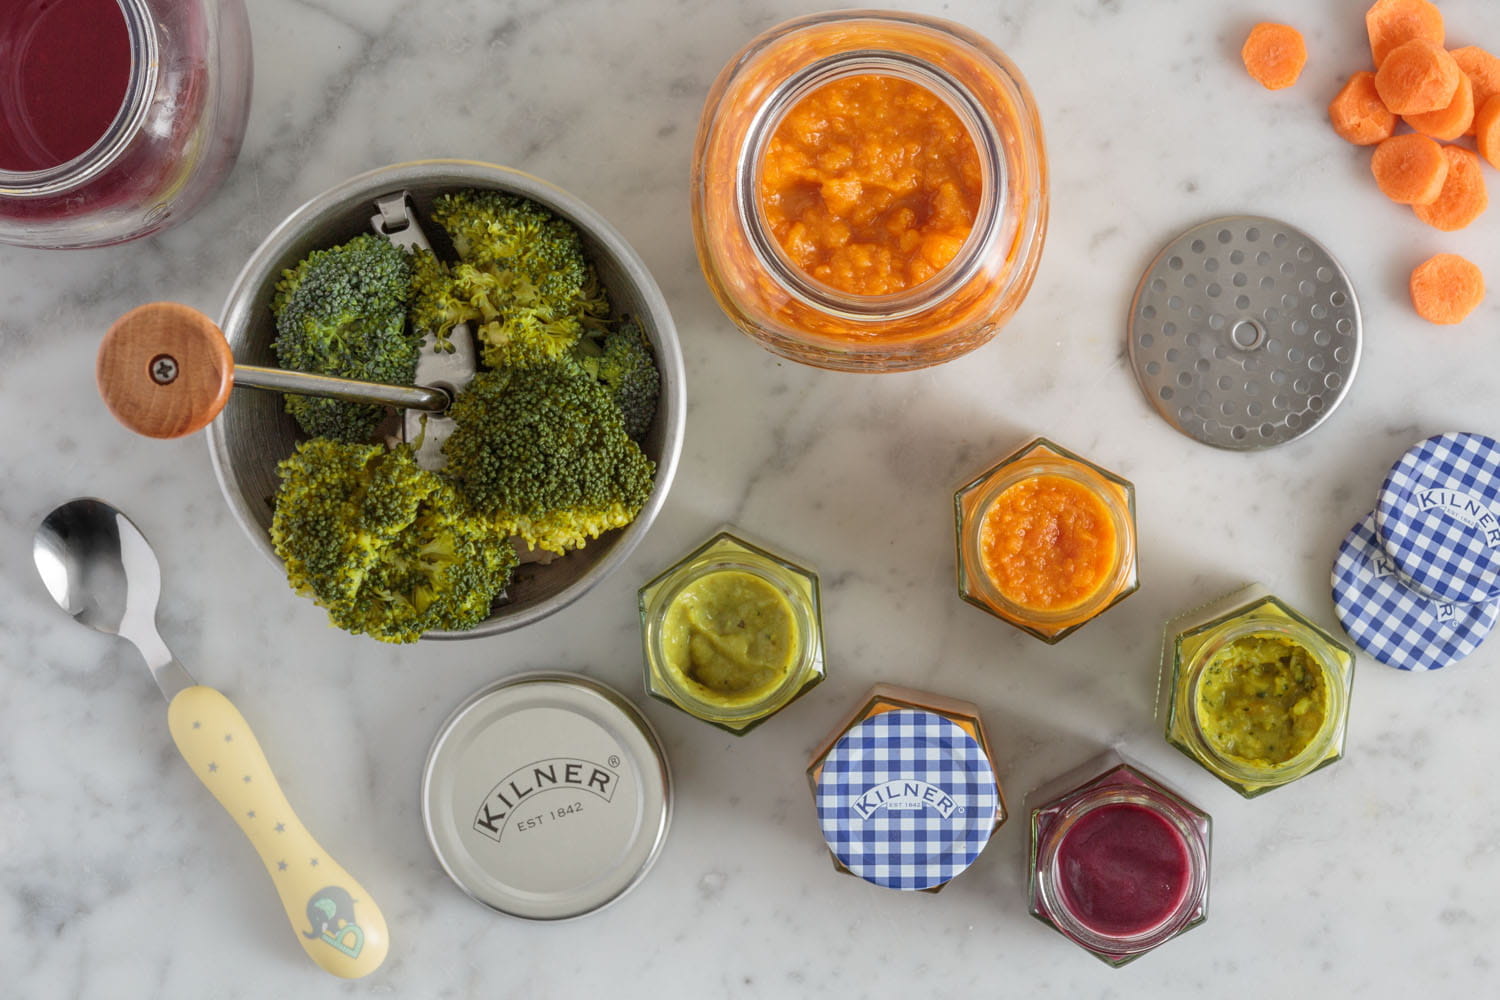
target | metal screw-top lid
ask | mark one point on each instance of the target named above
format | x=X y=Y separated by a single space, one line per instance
x=1438 y=515
x=546 y=796
x=907 y=799
x=1244 y=333
x=1397 y=625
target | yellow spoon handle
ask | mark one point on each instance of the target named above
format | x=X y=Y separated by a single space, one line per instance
x=337 y=921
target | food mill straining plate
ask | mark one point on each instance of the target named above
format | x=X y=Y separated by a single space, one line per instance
x=1244 y=333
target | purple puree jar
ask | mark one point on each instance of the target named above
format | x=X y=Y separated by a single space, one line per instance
x=118 y=118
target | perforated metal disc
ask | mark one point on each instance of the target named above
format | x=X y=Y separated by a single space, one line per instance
x=1244 y=333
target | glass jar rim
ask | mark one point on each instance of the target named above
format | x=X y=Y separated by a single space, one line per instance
x=979 y=241
x=804 y=627
x=1033 y=465
x=141 y=83
x=1049 y=874
x=1310 y=757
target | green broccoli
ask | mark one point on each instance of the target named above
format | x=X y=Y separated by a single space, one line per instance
x=387 y=547
x=622 y=360
x=342 y=311
x=542 y=449
x=523 y=279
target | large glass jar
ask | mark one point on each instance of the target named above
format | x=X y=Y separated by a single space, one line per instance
x=182 y=70
x=956 y=286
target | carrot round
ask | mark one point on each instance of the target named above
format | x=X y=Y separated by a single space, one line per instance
x=1357 y=114
x=1410 y=169
x=1446 y=288
x=1274 y=55
x=1416 y=77
x=1452 y=121
x=1463 y=198
x=1483 y=71
x=1392 y=23
x=1487 y=131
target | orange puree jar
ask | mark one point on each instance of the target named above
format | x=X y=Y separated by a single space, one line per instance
x=1046 y=540
x=869 y=190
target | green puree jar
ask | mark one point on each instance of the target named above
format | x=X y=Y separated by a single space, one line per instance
x=732 y=633
x=1254 y=691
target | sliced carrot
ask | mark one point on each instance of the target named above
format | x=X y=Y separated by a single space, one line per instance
x=1487 y=131
x=1446 y=288
x=1463 y=198
x=1274 y=55
x=1417 y=76
x=1483 y=71
x=1357 y=113
x=1395 y=22
x=1410 y=169
x=1452 y=121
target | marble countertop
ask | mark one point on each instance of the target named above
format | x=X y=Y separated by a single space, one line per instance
x=120 y=877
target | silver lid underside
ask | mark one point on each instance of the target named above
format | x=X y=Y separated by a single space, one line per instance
x=1244 y=333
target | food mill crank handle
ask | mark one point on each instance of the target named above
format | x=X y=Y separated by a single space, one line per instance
x=335 y=918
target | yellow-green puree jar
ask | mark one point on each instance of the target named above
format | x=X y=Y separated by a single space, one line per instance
x=1258 y=694
x=732 y=633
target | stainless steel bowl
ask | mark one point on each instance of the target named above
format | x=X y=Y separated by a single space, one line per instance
x=254 y=433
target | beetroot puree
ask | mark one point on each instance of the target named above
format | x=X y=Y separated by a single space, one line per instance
x=1124 y=869
x=64 y=69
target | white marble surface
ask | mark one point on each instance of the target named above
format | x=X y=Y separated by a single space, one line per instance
x=120 y=877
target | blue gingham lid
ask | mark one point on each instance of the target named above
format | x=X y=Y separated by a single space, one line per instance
x=1438 y=516
x=1395 y=624
x=907 y=799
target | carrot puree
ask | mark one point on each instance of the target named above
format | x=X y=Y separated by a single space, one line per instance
x=1048 y=543
x=870 y=184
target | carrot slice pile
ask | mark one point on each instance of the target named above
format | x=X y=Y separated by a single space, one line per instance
x=1410 y=169
x=1392 y=23
x=1446 y=288
x=1483 y=71
x=1274 y=55
x=1358 y=114
x=1450 y=122
x=1487 y=131
x=1416 y=77
x=1463 y=198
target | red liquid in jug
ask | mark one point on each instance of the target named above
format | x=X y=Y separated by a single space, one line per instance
x=64 y=70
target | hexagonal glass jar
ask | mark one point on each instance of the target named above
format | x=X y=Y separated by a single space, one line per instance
x=1195 y=639
x=1038 y=461
x=780 y=600
x=1119 y=862
x=899 y=770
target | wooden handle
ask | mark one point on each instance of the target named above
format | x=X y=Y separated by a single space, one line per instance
x=165 y=370
x=334 y=918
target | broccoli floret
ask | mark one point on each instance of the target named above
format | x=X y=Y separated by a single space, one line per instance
x=342 y=311
x=387 y=547
x=523 y=279
x=542 y=450
x=622 y=360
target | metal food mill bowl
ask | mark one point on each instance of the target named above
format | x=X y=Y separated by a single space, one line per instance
x=254 y=432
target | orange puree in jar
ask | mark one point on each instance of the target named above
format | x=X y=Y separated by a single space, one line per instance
x=870 y=184
x=1048 y=543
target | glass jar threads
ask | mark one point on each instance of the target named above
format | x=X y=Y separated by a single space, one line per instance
x=869 y=190
x=906 y=790
x=733 y=633
x=1119 y=862
x=1046 y=540
x=130 y=133
x=1256 y=693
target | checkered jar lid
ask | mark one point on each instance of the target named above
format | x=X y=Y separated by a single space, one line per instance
x=1438 y=516
x=1395 y=624
x=907 y=799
